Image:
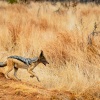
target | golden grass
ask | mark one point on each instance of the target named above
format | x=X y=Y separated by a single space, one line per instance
x=62 y=35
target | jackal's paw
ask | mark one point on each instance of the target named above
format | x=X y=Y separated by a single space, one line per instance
x=38 y=80
x=32 y=76
x=7 y=77
x=17 y=79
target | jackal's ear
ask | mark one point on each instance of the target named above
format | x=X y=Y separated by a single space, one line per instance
x=41 y=54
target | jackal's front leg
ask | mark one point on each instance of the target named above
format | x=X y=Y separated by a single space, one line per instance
x=32 y=73
x=15 y=73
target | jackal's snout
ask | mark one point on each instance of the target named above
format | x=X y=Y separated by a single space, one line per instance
x=45 y=63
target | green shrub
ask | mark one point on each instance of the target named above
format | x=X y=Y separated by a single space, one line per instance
x=12 y=1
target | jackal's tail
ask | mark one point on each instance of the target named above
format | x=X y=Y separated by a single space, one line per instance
x=3 y=64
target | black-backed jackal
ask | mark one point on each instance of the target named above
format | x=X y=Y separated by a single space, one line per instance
x=21 y=62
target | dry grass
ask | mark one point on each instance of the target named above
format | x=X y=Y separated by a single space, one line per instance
x=62 y=35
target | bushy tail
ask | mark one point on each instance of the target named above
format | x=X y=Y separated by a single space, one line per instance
x=3 y=64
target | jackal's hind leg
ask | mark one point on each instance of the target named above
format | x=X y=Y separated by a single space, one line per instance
x=8 y=70
x=15 y=74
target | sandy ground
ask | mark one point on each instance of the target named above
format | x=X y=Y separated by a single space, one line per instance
x=18 y=90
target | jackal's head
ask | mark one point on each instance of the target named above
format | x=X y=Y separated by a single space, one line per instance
x=42 y=58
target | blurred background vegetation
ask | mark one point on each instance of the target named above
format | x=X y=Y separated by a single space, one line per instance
x=69 y=34
x=25 y=1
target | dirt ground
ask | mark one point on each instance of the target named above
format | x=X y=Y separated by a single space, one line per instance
x=18 y=90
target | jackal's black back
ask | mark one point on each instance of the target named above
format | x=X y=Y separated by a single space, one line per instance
x=27 y=61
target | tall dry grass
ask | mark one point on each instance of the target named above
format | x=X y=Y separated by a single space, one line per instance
x=62 y=35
